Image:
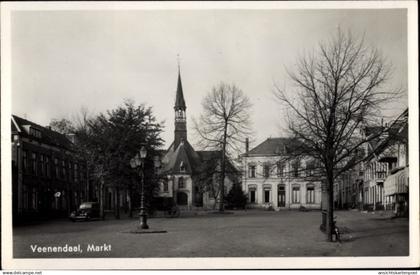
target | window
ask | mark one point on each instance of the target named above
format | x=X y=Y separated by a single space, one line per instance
x=63 y=169
x=33 y=163
x=182 y=167
x=41 y=165
x=252 y=195
x=34 y=132
x=47 y=166
x=266 y=196
x=310 y=194
x=266 y=170
x=76 y=172
x=165 y=186
x=251 y=171
x=181 y=183
x=56 y=168
x=310 y=166
x=70 y=170
x=25 y=160
x=280 y=169
x=296 y=194
x=295 y=167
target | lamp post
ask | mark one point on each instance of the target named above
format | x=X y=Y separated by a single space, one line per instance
x=138 y=162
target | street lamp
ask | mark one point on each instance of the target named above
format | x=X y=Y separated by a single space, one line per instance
x=138 y=162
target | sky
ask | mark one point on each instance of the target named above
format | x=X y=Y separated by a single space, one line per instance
x=65 y=60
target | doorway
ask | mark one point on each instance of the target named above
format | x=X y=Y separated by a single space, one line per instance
x=281 y=196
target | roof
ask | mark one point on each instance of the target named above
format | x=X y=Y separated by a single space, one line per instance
x=194 y=162
x=276 y=146
x=397 y=132
x=185 y=154
x=48 y=136
x=179 y=100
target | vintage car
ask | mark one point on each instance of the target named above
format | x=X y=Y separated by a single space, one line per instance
x=86 y=211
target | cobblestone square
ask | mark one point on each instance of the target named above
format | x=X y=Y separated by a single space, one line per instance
x=249 y=233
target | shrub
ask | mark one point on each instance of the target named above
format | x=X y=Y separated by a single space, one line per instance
x=236 y=198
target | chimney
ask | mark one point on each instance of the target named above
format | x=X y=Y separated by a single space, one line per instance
x=247 y=145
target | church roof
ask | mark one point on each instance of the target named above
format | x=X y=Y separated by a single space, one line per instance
x=179 y=100
x=182 y=159
x=194 y=162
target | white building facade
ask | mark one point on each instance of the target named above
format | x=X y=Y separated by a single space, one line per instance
x=272 y=178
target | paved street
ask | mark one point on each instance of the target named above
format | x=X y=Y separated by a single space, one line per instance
x=240 y=234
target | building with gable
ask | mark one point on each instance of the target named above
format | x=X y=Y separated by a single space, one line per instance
x=380 y=181
x=275 y=177
x=190 y=177
x=48 y=179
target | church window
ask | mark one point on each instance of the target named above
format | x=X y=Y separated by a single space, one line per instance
x=182 y=167
x=181 y=183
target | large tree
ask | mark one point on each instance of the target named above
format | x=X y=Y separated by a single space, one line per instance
x=338 y=90
x=109 y=140
x=224 y=125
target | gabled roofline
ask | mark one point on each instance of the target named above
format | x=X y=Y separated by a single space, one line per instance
x=16 y=124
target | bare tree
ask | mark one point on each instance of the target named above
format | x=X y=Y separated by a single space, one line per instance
x=338 y=90
x=223 y=125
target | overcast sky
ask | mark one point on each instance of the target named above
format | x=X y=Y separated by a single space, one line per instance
x=63 y=60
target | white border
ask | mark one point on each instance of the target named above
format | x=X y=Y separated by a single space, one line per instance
x=209 y=263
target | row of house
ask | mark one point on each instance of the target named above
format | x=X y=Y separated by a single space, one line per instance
x=49 y=178
x=381 y=180
x=272 y=175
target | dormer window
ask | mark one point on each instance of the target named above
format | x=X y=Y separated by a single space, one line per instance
x=34 y=132
x=182 y=167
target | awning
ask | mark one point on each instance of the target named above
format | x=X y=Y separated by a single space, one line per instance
x=397 y=183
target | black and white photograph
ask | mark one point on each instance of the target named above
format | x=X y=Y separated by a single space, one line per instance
x=209 y=135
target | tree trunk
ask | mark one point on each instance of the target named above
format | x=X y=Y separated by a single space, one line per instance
x=223 y=171
x=117 y=203
x=330 y=210
x=324 y=205
x=101 y=199
x=130 y=203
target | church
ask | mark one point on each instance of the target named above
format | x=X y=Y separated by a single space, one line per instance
x=190 y=177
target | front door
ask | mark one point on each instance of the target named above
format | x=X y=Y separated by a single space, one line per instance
x=281 y=196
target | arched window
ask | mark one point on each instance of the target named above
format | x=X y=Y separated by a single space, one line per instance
x=181 y=183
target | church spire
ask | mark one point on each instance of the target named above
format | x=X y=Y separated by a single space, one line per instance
x=180 y=116
x=179 y=100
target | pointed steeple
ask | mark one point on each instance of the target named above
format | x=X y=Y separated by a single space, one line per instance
x=179 y=100
x=180 y=115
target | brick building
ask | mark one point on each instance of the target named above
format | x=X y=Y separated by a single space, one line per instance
x=48 y=180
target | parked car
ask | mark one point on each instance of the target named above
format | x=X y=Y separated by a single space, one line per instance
x=86 y=211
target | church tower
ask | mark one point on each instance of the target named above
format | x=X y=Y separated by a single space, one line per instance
x=180 y=116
